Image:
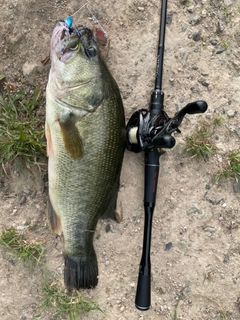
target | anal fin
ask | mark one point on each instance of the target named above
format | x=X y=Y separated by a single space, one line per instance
x=54 y=219
x=114 y=210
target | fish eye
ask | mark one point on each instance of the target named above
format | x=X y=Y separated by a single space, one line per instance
x=91 y=52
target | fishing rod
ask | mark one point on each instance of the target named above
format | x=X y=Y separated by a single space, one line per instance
x=150 y=131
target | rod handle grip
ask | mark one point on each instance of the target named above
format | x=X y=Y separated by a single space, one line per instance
x=143 y=294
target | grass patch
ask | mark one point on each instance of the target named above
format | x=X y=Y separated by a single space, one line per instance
x=71 y=306
x=217 y=121
x=21 y=129
x=231 y=169
x=224 y=314
x=22 y=249
x=225 y=44
x=64 y=304
x=200 y=144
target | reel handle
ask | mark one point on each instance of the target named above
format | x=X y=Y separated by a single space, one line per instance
x=195 y=107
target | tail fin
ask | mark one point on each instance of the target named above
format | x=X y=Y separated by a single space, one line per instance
x=80 y=272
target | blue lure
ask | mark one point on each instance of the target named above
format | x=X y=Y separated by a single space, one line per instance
x=68 y=21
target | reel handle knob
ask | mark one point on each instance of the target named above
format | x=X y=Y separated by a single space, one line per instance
x=165 y=141
x=196 y=107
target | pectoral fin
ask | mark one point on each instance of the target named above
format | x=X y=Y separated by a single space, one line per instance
x=71 y=138
x=49 y=140
x=54 y=219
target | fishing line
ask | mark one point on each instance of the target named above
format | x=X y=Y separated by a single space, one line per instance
x=69 y=20
x=95 y=20
x=86 y=4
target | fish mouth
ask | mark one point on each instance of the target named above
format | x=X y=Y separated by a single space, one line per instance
x=67 y=42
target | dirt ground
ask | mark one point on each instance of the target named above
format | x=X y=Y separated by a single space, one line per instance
x=198 y=277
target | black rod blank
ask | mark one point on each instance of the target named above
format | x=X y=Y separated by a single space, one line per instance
x=143 y=294
x=158 y=81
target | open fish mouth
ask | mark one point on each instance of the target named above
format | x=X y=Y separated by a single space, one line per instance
x=66 y=42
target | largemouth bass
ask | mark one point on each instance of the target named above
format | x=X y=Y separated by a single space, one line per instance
x=85 y=130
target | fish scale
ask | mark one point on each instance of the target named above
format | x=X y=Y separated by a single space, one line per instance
x=85 y=129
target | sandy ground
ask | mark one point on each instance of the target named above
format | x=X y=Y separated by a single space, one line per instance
x=198 y=278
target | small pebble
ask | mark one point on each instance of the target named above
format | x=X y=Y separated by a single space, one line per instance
x=218 y=200
x=108 y=228
x=22 y=200
x=184 y=28
x=220 y=27
x=186 y=292
x=236 y=96
x=204 y=13
x=231 y=113
x=196 y=19
x=205 y=84
x=26 y=190
x=59 y=271
x=220 y=50
x=168 y=246
x=140 y=8
x=33 y=194
x=122 y=309
x=209 y=229
x=214 y=42
x=227 y=3
x=13 y=212
x=169 y=19
x=193 y=209
x=236 y=186
x=190 y=9
x=226 y=258
x=12 y=262
x=20 y=228
x=134 y=106
x=196 y=35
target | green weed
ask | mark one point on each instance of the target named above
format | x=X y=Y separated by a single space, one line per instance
x=175 y=316
x=232 y=167
x=224 y=314
x=225 y=44
x=200 y=144
x=65 y=305
x=217 y=121
x=226 y=11
x=21 y=129
x=23 y=249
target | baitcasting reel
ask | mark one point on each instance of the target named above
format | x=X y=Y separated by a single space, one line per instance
x=146 y=131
